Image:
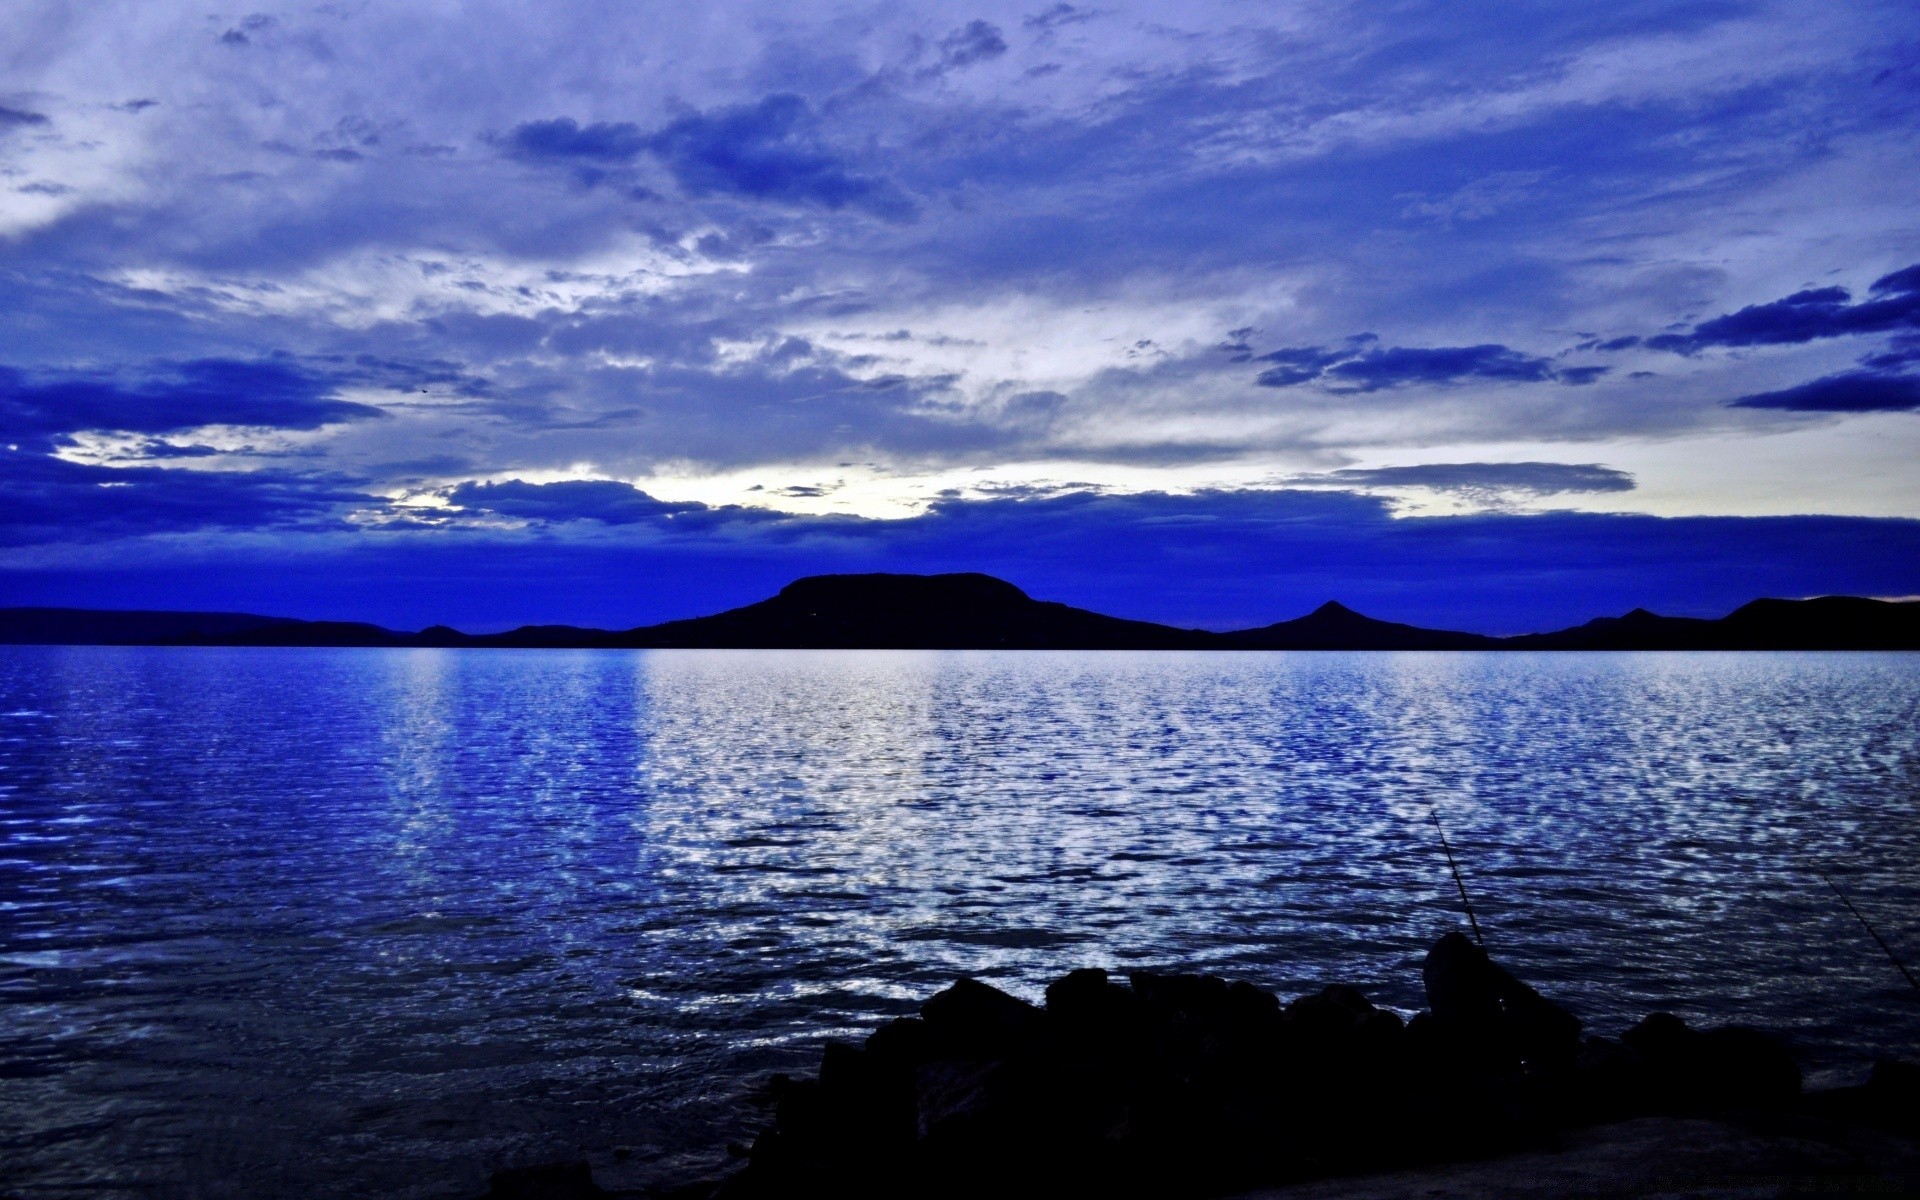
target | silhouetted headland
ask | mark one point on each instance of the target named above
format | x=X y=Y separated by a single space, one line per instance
x=978 y=612
x=1171 y=1085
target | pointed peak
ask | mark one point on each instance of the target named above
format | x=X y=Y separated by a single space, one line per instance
x=1333 y=608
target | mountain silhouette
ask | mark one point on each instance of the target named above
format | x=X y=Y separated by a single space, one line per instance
x=1822 y=623
x=1334 y=626
x=971 y=611
x=931 y=612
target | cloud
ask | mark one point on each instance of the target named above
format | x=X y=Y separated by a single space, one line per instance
x=15 y=118
x=1849 y=391
x=1057 y=15
x=1536 y=478
x=976 y=41
x=37 y=407
x=607 y=501
x=241 y=34
x=566 y=140
x=768 y=151
x=1360 y=367
x=45 y=499
x=1303 y=364
x=1829 y=312
x=1227 y=168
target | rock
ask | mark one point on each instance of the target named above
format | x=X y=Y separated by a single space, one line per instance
x=843 y=1068
x=1748 y=1068
x=1334 y=1010
x=1661 y=1037
x=546 y=1181
x=1178 y=1084
x=904 y=1042
x=1729 y=1067
x=1893 y=1095
x=1611 y=1079
x=867 y=1102
x=1077 y=992
x=1486 y=1011
x=1195 y=996
x=949 y=1097
x=973 y=1020
x=1895 y=1083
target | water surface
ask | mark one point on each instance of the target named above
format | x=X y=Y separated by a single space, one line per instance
x=290 y=922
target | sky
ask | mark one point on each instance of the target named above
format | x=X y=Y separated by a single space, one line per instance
x=1492 y=316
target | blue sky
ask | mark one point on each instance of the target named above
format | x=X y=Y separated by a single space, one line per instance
x=1494 y=315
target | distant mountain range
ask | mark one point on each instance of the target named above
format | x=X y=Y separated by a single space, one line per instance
x=979 y=612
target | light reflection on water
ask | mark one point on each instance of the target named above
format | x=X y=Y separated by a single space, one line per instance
x=313 y=922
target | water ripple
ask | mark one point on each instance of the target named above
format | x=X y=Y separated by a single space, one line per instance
x=361 y=922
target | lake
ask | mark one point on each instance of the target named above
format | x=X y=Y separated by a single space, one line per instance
x=291 y=922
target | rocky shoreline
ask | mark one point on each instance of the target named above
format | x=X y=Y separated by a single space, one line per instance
x=1188 y=1085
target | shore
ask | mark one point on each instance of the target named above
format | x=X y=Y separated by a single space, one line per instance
x=1184 y=1085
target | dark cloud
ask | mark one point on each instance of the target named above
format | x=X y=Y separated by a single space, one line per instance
x=768 y=151
x=1849 y=391
x=1893 y=303
x=566 y=140
x=152 y=449
x=240 y=35
x=974 y=42
x=1360 y=366
x=14 y=118
x=1580 y=376
x=1905 y=281
x=35 y=408
x=1904 y=355
x=607 y=501
x=1538 y=478
x=1054 y=17
x=1302 y=364
x=45 y=499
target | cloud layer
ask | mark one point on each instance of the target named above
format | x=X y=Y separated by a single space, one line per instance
x=567 y=274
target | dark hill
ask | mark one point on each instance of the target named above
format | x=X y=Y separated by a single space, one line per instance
x=973 y=611
x=121 y=627
x=1824 y=623
x=928 y=612
x=1334 y=626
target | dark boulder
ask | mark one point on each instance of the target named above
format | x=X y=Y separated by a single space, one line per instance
x=1893 y=1095
x=1091 y=1013
x=902 y=1043
x=1611 y=1080
x=1728 y=1067
x=972 y=1020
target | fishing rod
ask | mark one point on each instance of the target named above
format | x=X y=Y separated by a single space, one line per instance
x=1871 y=932
x=1434 y=816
